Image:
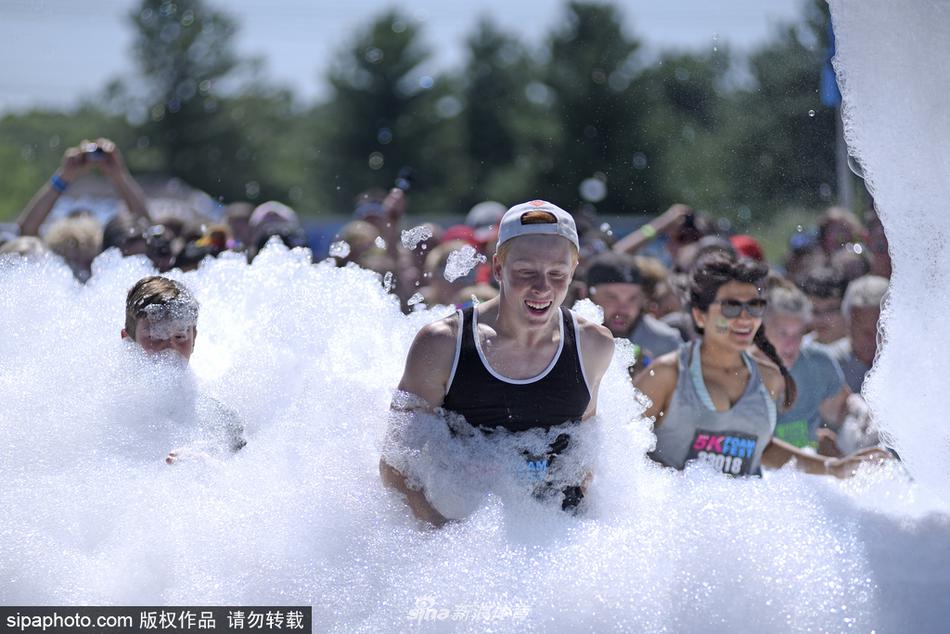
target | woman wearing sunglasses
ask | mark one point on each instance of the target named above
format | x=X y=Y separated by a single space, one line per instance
x=712 y=400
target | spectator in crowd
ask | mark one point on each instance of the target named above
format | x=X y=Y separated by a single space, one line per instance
x=861 y=309
x=679 y=225
x=878 y=247
x=825 y=288
x=822 y=393
x=616 y=284
x=359 y=236
x=460 y=233
x=211 y=243
x=25 y=247
x=412 y=263
x=483 y=218
x=126 y=234
x=163 y=244
x=838 y=227
x=238 y=216
x=852 y=261
x=78 y=239
x=77 y=161
x=662 y=298
x=804 y=255
x=747 y=247
x=274 y=219
x=385 y=212
x=290 y=234
x=689 y=253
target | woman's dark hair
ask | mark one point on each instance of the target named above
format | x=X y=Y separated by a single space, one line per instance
x=716 y=269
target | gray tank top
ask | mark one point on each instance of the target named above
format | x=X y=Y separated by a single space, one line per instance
x=731 y=441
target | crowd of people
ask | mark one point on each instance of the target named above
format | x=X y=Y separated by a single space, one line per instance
x=757 y=364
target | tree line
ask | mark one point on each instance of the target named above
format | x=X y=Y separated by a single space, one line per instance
x=585 y=118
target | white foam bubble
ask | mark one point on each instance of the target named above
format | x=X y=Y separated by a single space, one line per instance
x=412 y=237
x=461 y=261
x=339 y=249
x=308 y=356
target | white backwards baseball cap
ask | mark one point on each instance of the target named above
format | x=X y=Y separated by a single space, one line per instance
x=537 y=217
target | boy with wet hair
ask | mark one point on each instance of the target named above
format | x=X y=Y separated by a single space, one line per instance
x=162 y=314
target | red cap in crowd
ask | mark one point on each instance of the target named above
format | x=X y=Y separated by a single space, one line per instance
x=460 y=232
x=748 y=247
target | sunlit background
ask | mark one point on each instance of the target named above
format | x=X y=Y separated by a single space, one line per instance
x=311 y=103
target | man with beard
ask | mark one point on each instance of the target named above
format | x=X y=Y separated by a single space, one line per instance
x=616 y=284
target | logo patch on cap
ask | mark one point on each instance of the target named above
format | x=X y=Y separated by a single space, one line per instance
x=537 y=203
x=538 y=217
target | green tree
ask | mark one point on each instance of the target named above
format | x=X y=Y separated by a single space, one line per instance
x=184 y=52
x=592 y=75
x=506 y=133
x=386 y=113
x=689 y=103
x=783 y=146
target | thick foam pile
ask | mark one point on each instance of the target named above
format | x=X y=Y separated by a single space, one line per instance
x=309 y=357
x=891 y=63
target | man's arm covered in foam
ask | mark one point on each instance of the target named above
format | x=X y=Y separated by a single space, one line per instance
x=422 y=388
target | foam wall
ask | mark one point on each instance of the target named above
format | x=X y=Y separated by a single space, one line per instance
x=309 y=356
x=892 y=68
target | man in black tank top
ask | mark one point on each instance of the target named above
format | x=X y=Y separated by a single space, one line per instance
x=519 y=361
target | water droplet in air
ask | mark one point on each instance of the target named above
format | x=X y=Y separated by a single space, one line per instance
x=339 y=249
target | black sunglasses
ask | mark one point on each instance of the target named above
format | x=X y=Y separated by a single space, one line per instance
x=732 y=308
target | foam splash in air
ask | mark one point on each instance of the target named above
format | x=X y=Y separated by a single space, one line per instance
x=412 y=237
x=461 y=262
x=339 y=249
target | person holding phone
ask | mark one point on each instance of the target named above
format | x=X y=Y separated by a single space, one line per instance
x=101 y=154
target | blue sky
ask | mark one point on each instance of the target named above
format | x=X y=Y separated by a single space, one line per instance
x=54 y=51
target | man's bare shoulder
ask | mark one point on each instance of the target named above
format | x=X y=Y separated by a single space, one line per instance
x=440 y=331
x=430 y=360
x=597 y=345
x=437 y=340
